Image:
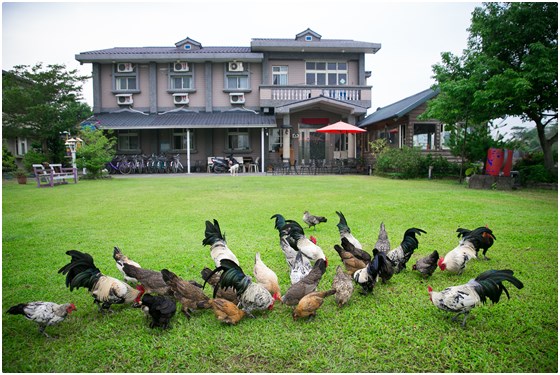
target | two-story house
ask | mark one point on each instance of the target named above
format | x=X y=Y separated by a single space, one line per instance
x=263 y=101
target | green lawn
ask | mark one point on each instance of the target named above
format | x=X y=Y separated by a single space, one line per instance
x=159 y=222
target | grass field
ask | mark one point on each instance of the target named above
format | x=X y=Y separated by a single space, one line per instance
x=159 y=222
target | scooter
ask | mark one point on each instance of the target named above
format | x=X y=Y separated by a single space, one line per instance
x=222 y=165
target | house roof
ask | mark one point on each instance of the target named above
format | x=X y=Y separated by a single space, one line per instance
x=400 y=108
x=131 y=119
x=148 y=54
x=334 y=104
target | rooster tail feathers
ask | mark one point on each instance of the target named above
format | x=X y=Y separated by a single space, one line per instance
x=489 y=284
x=462 y=232
x=168 y=275
x=117 y=254
x=81 y=271
x=342 y=224
x=233 y=276
x=212 y=234
x=476 y=236
x=410 y=242
x=280 y=221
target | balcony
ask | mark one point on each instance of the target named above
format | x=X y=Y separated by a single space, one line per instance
x=273 y=96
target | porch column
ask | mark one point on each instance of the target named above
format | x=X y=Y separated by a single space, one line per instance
x=261 y=167
x=286 y=137
x=352 y=140
x=188 y=151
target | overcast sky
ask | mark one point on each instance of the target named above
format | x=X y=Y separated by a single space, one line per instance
x=412 y=35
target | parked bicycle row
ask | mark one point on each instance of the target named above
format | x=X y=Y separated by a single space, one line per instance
x=126 y=164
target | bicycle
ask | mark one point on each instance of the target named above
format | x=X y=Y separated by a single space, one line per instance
x=118 y=165
x=175 y=165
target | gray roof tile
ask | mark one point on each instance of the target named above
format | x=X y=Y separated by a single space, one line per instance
x=182 y=119
x=400 y=108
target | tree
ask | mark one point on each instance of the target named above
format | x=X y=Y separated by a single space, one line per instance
x=96 y=151
x=509 y=69
x=40 y=103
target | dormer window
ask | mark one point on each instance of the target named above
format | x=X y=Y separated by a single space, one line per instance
x=308 y=38
x=187 y=46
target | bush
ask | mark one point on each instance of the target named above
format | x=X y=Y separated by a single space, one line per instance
x=441 y=166
x=33 y=157
x=404 y=162
x=531 y=169
x=96 y=151
x=8 y=160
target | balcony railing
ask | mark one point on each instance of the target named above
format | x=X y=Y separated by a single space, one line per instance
x=276 y=95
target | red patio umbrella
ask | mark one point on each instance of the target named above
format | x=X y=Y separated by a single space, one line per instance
x=341 y=127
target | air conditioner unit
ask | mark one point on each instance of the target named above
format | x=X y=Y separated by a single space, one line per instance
x=236 y=98
x=181 y=98
x=235 y=66
x=124 y=99
x=125 y=67
x=181 y=67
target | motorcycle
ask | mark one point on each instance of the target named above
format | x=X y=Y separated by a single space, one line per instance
x=222 y=165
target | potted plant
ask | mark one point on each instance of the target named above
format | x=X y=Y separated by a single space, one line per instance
x=21 y=176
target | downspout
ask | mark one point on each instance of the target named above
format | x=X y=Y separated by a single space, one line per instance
x=262 y=150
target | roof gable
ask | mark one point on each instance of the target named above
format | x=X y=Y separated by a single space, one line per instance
x=400 y=108
x=188 y=44
x=308 y=36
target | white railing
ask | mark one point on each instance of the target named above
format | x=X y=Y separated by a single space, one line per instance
x=342 y=94
x=302 y=94
x=290 y=94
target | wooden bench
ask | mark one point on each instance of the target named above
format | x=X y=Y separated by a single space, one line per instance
x=54 y=175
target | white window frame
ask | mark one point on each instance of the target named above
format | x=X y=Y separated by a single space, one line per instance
x=275 y=140
x=122 y=80
x=318 y=73
x=21 y=146
x=280 y=75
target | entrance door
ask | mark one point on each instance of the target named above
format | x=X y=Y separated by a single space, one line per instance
x=311 y=145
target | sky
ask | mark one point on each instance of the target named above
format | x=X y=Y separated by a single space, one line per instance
x=412 y=34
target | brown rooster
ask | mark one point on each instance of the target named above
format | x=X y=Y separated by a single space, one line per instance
x=151 y=280
x=351 y=263
x=224 y=310
x=344 y=286
x=266 y=277
x=120 y=260
x=309 y=304
x=186 y=293
x=306 y=285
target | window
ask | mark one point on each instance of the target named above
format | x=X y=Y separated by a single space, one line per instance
x=424 y=136
x=444 y=138
x=280 y=75
x=238 y=139
x=275 y=140
x=21 y=146
x=326 y=73
x=128 y=140
x=237 y=82
x=180 y=139
x=340 y=142
x=181 y=82
x=125 y=83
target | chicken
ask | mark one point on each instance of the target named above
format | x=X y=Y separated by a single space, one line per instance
x=456 y=260
x=300 y=268
x=150 y=279
x=355 y=251
x=401 y=254
x=463 y=298
x=351 y=263
x=306 y=285
x=266 y=277
x=345 y=231
x=186 y=293
x=307 y=307
x=224 y=293
x=427 y=265
x=313 y=220
x=382 y=243
x=289 y=252
x=343 y=285
x=367 y=276
x=120 y=260
x=487 y=239
x=218 y=245
x=161 y=309
x=81 y=272
x=226 y=311
x=295 y=236
x=252 y=296
x=43 y=313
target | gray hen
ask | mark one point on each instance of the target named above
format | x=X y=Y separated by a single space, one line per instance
x=306 y=285
x=344 y=286
x=382 y=243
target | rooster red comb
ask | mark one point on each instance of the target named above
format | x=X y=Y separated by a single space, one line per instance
x=313 y=239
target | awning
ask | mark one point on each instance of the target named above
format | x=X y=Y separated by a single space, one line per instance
x=130 y=119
